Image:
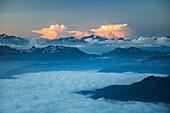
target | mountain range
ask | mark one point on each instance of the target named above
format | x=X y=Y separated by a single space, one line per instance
x=132 y=51
x=89 y=44
x=65 y=41
x=6 y=39
x=44 y=53
x=73 y=51
x=6 y=50
x=12 y=40
x=54 y=49
x=137 y=60
x=72 y=58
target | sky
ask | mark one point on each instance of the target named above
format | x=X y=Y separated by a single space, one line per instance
x=109 y=18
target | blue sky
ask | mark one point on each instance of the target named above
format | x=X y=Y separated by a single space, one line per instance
x=144 y=17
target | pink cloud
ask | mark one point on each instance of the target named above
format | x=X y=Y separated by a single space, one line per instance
x=112 y=30
x=52 y=32
x=78 y=34
x=59 y=31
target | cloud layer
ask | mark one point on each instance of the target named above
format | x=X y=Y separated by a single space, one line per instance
x=59 y=31
x=137 y=42
x=54 y=92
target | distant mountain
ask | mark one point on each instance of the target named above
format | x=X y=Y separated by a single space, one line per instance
x=47 y=52
x=5 y=39
x=165 y=56
x=137 y=60
x=62 y=50
x=74 y=41
x=121 y=39
x=93 y=37
x=150 y=89
x=65 y=41
x=132 y=51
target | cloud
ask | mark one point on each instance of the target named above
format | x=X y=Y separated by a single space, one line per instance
x=153 y=41
x=52 y=32
x=164 y=40
x=108 y=31
x=150 y=43
x=79 y=34
x=54 y=92
x=137 y=42
x=111 y=30
x=59 y=31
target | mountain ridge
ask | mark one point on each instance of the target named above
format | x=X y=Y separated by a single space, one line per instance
x=130 y=51
x=6 y=39
x=150 y=89
x=44 y=53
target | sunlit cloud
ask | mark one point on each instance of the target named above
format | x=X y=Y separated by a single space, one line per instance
x=52 y=32
x=112 y=30
x=78 y=34
x=61 y=31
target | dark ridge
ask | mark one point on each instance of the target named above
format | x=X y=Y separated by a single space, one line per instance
x=45 y=53
x=150 y=89
x=163 y=56
x=131 y=51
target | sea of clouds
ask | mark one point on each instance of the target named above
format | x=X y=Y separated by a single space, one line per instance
x=54 y=92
